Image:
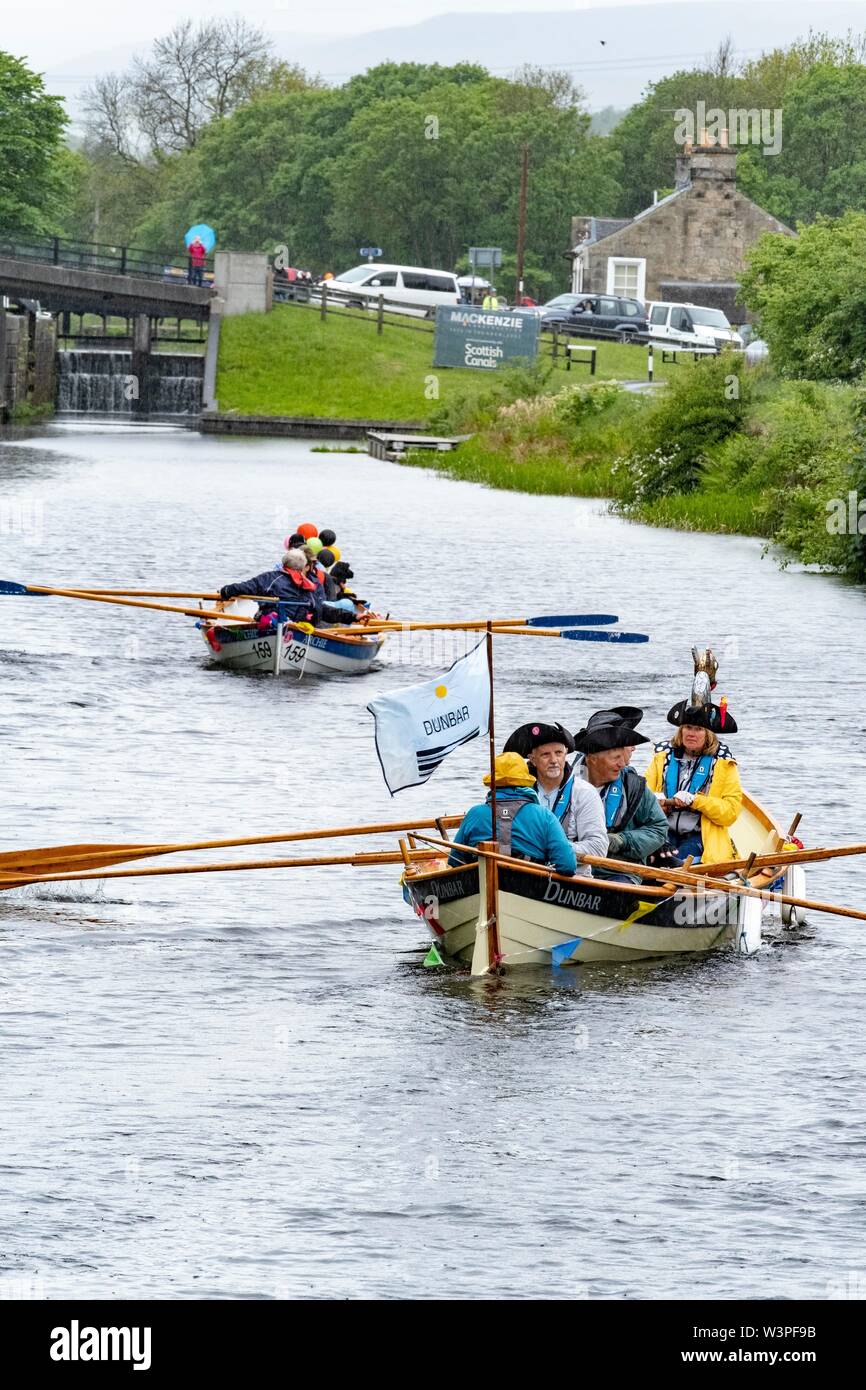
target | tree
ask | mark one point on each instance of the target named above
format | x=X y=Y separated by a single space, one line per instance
x=810 y=297
x=194 y=75
x=33 y=173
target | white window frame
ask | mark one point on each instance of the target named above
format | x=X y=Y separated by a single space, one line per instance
x=640 y=262
x=577 y=274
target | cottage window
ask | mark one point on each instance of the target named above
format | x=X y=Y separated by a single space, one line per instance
x=626 y=275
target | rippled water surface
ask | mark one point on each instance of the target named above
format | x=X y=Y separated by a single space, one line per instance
x=246 y=1085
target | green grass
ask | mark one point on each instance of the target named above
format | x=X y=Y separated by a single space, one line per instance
x=291 y=362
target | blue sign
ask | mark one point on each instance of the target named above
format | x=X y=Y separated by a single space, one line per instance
x=468 y=337
x=371 y=251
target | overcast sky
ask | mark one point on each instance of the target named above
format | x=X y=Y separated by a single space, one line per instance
x=47 y=32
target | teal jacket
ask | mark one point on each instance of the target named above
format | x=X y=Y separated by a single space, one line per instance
x=536 y=832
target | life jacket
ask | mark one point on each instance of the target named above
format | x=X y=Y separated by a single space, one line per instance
x=563 y=795
x=299 y=579
x=621 y=797
x=702 y=774
x=506 y=812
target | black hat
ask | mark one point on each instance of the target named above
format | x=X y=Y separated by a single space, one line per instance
x=531 y=736
x=296 y=541
x=610 y=728
x=341 y=572
x=326 y=557
x=713 y=717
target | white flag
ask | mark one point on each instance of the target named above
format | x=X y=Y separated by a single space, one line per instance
x=419 y=726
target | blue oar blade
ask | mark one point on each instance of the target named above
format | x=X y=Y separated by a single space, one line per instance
x=8 y=586
x=574 y=620
x=580 y=634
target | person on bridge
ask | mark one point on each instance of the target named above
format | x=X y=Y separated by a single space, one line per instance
x=197 y=257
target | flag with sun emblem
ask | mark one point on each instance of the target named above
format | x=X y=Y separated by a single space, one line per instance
x=416 y=728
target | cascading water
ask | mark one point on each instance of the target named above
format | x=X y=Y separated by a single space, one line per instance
x=92 y=381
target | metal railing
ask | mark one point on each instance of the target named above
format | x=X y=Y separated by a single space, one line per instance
x=94 y=255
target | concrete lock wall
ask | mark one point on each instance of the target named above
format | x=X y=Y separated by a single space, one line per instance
x=244 y=282
x=28 y=374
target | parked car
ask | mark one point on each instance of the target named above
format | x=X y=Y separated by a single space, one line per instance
x=602 y=315
x=553 y=309
x=757 y=350
x=691 y=325
x=416 y=288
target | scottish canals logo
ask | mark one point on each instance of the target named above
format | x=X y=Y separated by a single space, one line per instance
x=76 y=1343
x=482 y=354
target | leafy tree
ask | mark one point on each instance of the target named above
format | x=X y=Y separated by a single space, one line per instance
x=34 y=174
x=810 y=296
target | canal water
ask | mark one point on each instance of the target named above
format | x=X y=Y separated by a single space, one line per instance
x=247 y=1085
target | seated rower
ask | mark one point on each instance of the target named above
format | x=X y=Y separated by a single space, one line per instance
x=288 y=584
x=636 y=825
x=696 y=780
x=524 y=828
x=576 y=805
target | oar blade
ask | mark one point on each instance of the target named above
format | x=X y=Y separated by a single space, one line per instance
x=85 y=856
x=580 y=634
x=573 y=620
x=8 y=586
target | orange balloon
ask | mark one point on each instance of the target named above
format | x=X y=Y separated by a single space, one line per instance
x=307 y=529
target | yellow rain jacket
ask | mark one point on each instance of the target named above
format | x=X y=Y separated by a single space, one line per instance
x=718 y=807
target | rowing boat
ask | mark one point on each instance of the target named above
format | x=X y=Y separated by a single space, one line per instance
x=285 y=649
x=545 y=918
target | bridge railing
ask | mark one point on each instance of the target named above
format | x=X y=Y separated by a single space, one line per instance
x=93 y=255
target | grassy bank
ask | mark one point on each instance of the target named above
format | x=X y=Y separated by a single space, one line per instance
x=292 y=362
x=724 y=448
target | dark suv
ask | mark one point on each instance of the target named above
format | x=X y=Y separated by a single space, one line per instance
x=603 y=315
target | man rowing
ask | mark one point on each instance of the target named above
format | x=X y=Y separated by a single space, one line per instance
x=524 y=828
x=636 y=824
x=575 y=803
x=302 y=599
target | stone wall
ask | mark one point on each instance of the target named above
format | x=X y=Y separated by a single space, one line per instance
x=29 y=374
x=701 y=235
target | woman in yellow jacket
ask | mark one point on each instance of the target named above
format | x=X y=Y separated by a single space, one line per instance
x=695 y=777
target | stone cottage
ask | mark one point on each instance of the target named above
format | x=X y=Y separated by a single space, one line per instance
x=689 y=247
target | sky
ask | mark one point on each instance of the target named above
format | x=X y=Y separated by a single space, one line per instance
x=46 y=32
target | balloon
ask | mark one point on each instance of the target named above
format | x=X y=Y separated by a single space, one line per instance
x=335 y=551
x=307 y=529
x=315 y=544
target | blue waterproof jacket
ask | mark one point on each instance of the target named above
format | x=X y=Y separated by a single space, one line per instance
x=302 y=604
x=536 y=832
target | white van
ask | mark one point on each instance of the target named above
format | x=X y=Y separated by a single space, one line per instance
x=405 y=287
x=690 y=325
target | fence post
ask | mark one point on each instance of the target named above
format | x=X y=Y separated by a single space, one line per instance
x=380 y=313
x=324 y=308
x=123 y=260
x=55 y=250
x=649 y=362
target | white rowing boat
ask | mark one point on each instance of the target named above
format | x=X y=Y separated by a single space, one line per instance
x=284 y=649
x=545 y=918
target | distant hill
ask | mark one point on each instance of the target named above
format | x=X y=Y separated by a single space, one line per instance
x=611 y=53
x=641 y=42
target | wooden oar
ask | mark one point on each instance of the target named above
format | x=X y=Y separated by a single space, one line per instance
x=577 y=634
x=58 y=858
x=7 y=588
x=354 y=860
x=781 y=859
x=665 y=876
